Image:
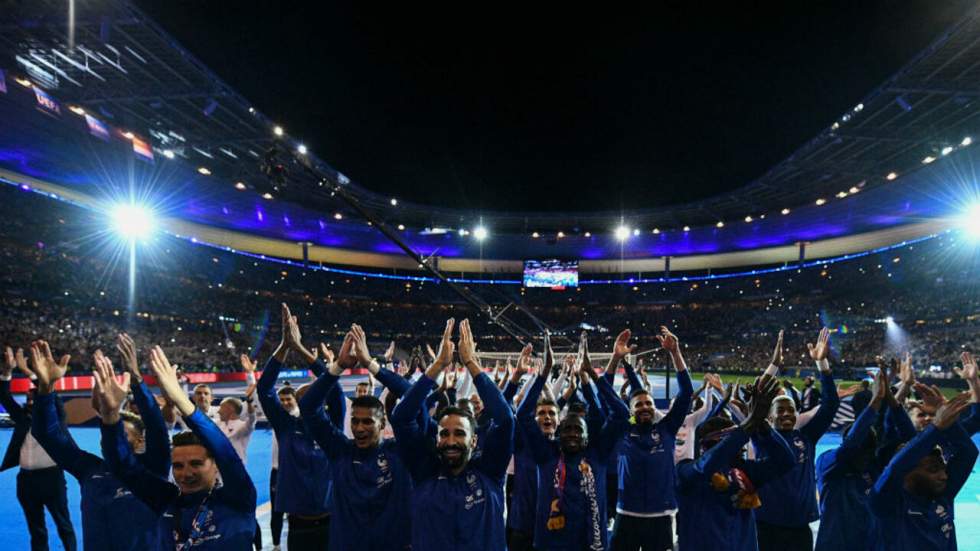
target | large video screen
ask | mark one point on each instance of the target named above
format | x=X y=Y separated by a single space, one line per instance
x=556 y=274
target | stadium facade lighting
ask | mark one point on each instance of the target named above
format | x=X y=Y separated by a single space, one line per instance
x=720 y=224
x=239 y=185
x=278 y=131
x=966 y=141
x=168 y=153
x=854 y=189
x=338 y=216
x=480 y=233
x=891 y=176
x=267 y=195
x=622 y=233
x=535 y=235
x=821 y=201
x=401 y=227
x=301 y=149
x=687 y=228
x=561 y=234
x=656 y=231
x=841 y=194
x=132 y=221
x=204 y=170
x=748 y=218
x=784 y=212
x=588 y=234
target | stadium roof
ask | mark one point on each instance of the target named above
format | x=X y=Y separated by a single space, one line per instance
x=117 y=64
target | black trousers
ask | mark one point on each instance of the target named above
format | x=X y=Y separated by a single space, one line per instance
x=784 y=538
x=45 y=488
x=275 y=522
x=308 y=534
x=519 y=541
x=649 y=534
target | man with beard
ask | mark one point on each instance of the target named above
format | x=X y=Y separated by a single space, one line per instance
x=789 y=503
x=846 y=474
x=202 y=512
x=719 y=491
x=571 y=501
x=646 y=459
x=457 y=503
x=304 y=484
x=371 y=486
x=912 y=500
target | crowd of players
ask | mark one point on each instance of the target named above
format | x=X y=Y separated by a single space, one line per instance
x=550 y=456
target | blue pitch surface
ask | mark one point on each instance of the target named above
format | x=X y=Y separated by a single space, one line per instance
x=13 y=531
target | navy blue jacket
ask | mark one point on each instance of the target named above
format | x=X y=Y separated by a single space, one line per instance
x=845 y=521
x=303 y=482
x=463 y=512
x=791 y=500
x=906 y=522
x=112 y=517
x=579 y=529
x=707 y=519
x=371 y=487
x=646 y=458
x=218 y=520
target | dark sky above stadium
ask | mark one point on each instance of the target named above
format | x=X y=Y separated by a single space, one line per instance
x=557 y=107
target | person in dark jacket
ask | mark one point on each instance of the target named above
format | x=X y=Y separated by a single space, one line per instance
x=112 y=517
x=40 y=482
x=719 y=491
x=457 y=501
x=571 y=501
x=789 y=503
x=201 y=512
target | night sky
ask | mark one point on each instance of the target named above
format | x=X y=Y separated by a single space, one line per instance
x=554 y=107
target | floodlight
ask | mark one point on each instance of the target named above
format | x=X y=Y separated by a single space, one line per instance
x=966 y=141
x=480 y=233
x=301 y=149
x=889 y=319
x=971 y=221
x=132 y=221
x=394 y=202
x=784 y=211
x=277 y=131
x=622 y=233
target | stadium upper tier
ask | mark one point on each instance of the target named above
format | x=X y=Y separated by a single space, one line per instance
x=126 y=111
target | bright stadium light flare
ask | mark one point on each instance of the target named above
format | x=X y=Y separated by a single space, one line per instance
x=970 y=221
x=622 y=233
x=132 y=221
x=480 y=233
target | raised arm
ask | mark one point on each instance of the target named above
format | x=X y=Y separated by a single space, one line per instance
x=716 y=459
x=15 y=410
x=617 y=421
x=828 y=407
x=776 y=363
x=46 y=425
x=536 y=441
x=678 y=411
x=236 y=482
x=499 y=439
x=886 y=490
x=156 y=457
x=328 y=435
